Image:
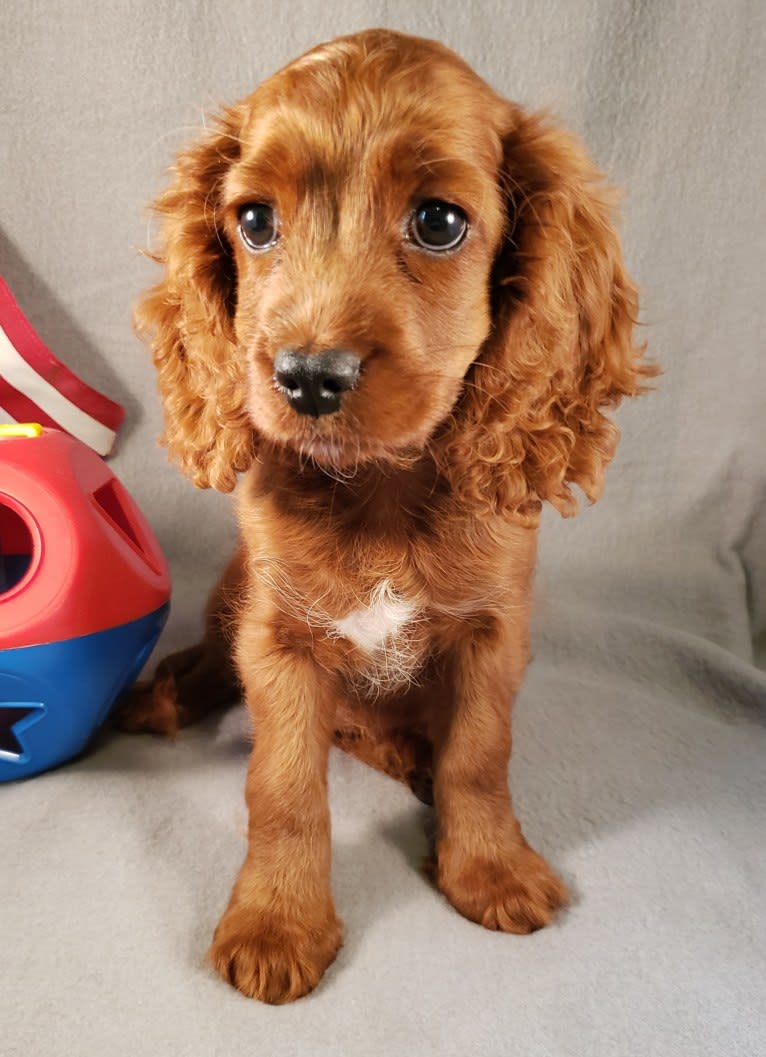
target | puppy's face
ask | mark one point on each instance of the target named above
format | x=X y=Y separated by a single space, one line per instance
x=365 y=214
x=332 y=250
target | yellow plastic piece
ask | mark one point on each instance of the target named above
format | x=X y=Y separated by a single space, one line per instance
x=20 y=429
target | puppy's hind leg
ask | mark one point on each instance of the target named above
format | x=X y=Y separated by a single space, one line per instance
x=394 y=744
x=188 y=685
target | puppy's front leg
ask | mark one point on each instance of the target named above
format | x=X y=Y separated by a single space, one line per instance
x=280 y=931
x=483 y=864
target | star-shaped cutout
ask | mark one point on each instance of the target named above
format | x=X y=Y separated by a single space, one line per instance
x=15 y=718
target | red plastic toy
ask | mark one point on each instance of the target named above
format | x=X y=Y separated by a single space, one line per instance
x=84 y=592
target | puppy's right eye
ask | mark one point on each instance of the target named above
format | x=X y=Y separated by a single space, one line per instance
x=258 y=226
x=438 y=226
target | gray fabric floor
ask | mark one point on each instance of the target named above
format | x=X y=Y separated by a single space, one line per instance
x=640 y=761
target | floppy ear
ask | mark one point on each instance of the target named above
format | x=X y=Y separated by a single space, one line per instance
x=561 y=348
x=188 y=317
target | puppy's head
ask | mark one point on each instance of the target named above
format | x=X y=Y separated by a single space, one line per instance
x=374 y=253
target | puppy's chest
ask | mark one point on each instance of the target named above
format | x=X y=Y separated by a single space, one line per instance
x=385 y=617
x=390 y=628
x=389 y=633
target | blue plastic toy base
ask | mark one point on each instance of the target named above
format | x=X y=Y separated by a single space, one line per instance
x=54 y=697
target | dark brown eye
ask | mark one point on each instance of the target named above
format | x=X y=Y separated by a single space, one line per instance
x=258 y=226
x=438 y=226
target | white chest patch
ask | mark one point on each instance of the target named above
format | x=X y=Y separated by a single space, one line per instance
x=379 y=623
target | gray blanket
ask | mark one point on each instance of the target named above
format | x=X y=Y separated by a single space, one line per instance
x=640 y=759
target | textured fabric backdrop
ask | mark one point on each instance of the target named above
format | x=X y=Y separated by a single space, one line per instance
x=640 y=767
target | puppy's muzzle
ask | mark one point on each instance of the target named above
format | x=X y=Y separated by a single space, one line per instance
x=314 y=383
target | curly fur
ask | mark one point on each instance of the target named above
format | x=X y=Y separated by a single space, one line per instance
x=562 y=346
x=188 y=314
x=380 y=595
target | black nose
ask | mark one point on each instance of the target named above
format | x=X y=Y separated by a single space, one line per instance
x=314 y=383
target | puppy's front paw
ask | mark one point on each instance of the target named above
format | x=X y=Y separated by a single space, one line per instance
x=518 y=892
x=272 y=959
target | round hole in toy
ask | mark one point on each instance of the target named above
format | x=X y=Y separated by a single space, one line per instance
x=18 y=545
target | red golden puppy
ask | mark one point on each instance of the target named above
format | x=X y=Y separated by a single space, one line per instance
x=397 y=303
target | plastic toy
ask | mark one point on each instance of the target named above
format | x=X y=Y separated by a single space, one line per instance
x=84 y=594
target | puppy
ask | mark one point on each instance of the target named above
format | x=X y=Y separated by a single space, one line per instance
x=397 y=303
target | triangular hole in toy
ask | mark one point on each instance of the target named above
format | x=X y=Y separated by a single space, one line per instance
x=108 y=499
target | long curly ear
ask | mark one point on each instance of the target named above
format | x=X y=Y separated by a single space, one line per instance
x=188 y=317
x=561 y=348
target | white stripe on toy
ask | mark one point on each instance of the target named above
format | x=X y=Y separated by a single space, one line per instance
x=18 y=373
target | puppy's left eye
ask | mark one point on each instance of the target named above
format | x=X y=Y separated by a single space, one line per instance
x=258 y=226
x=438 y=226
